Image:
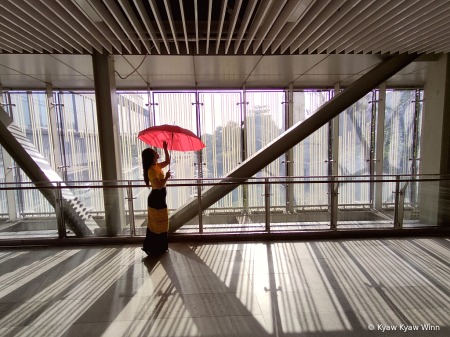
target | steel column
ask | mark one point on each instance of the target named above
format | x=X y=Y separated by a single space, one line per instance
x=290 y=152
x=378 y=197
x=9 y=171
x=109 y=137
x=294 y=135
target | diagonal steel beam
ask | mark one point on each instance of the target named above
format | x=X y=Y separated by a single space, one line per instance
x=36 y=167
x=293 y=136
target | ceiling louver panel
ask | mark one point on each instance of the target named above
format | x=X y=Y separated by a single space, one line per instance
x=224 y=27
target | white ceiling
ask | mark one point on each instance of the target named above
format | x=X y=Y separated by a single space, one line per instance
x=184 y=71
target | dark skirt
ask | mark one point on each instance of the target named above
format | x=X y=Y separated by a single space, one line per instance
x=156 y=243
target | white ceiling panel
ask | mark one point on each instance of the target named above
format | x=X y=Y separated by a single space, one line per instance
x=291 y=64
x=223 y=65
x=346 y=64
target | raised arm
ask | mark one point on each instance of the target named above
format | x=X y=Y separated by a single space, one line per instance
x=166 y=153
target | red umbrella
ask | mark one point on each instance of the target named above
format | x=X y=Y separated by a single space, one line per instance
x=177 y=138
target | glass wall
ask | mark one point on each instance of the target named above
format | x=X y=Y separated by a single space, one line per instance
x=311 y=154
x=220 y=121
x=265 y=121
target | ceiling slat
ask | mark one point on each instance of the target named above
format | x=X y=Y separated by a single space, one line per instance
x=68 y=24
x=223 y=10
x=378 y=35
x=196 y=25
x=209 y=24
x=414 y=33
x=148 y=25
x=172 y=24
x=323 y=18
x=17 y=37
x=390 y=19
x=423 y=35
x=15 y=17
x=129 y=12
x=308 y=17
x=299 y=13
x=411 y=28
x=13 y=45
x=430 y=38
x=160 y=23
x=261 y=13
x=375 y=19
x=303 y=43
x=269 y=20
x=433 y=42
x=244 y=23
x=351 y=23
x=183 y=19
x=6 y=48
x=233 y=19
x=109 y=20
x=281 y=21
x=103 y=35
x=123 y=23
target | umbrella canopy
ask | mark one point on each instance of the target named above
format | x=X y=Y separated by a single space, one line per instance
x=177 y=138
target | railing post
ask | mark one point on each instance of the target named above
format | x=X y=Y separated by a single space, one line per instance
x=131 y=208
x=396 y=200
x=200 y=213
x=398 y=217
x=267 y=203
x=59 y=212
x=333 y=204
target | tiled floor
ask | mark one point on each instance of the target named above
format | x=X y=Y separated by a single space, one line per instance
x=314 y=288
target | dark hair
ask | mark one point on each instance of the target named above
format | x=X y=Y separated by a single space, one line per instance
x=147 y=161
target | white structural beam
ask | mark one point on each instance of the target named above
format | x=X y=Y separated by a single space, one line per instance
x=129 y=12
x=159 y=23
x=244 y=23
x=306 y=20
x=233 y=20
x=261 y=13
x=304 y=42
x=349 y=23
x=123 y=23
x=172 y=24
x=280 y=22
x=387 y=21
x=208 y=32
x=223 y=10
x=22 y=35
x=112 y=24
x=269 y=20
x=147 y=23
x=324 y=17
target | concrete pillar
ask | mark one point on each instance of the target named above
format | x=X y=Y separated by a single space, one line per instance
x=378 y=198
x=108 y=129
x=56 y=140
x=435 y=143
x=9 y=175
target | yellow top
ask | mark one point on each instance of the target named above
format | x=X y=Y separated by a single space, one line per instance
x=155 y=172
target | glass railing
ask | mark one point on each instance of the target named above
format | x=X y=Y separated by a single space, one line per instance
x=306 y=204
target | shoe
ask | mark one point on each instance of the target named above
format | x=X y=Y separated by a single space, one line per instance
x=146 y=252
